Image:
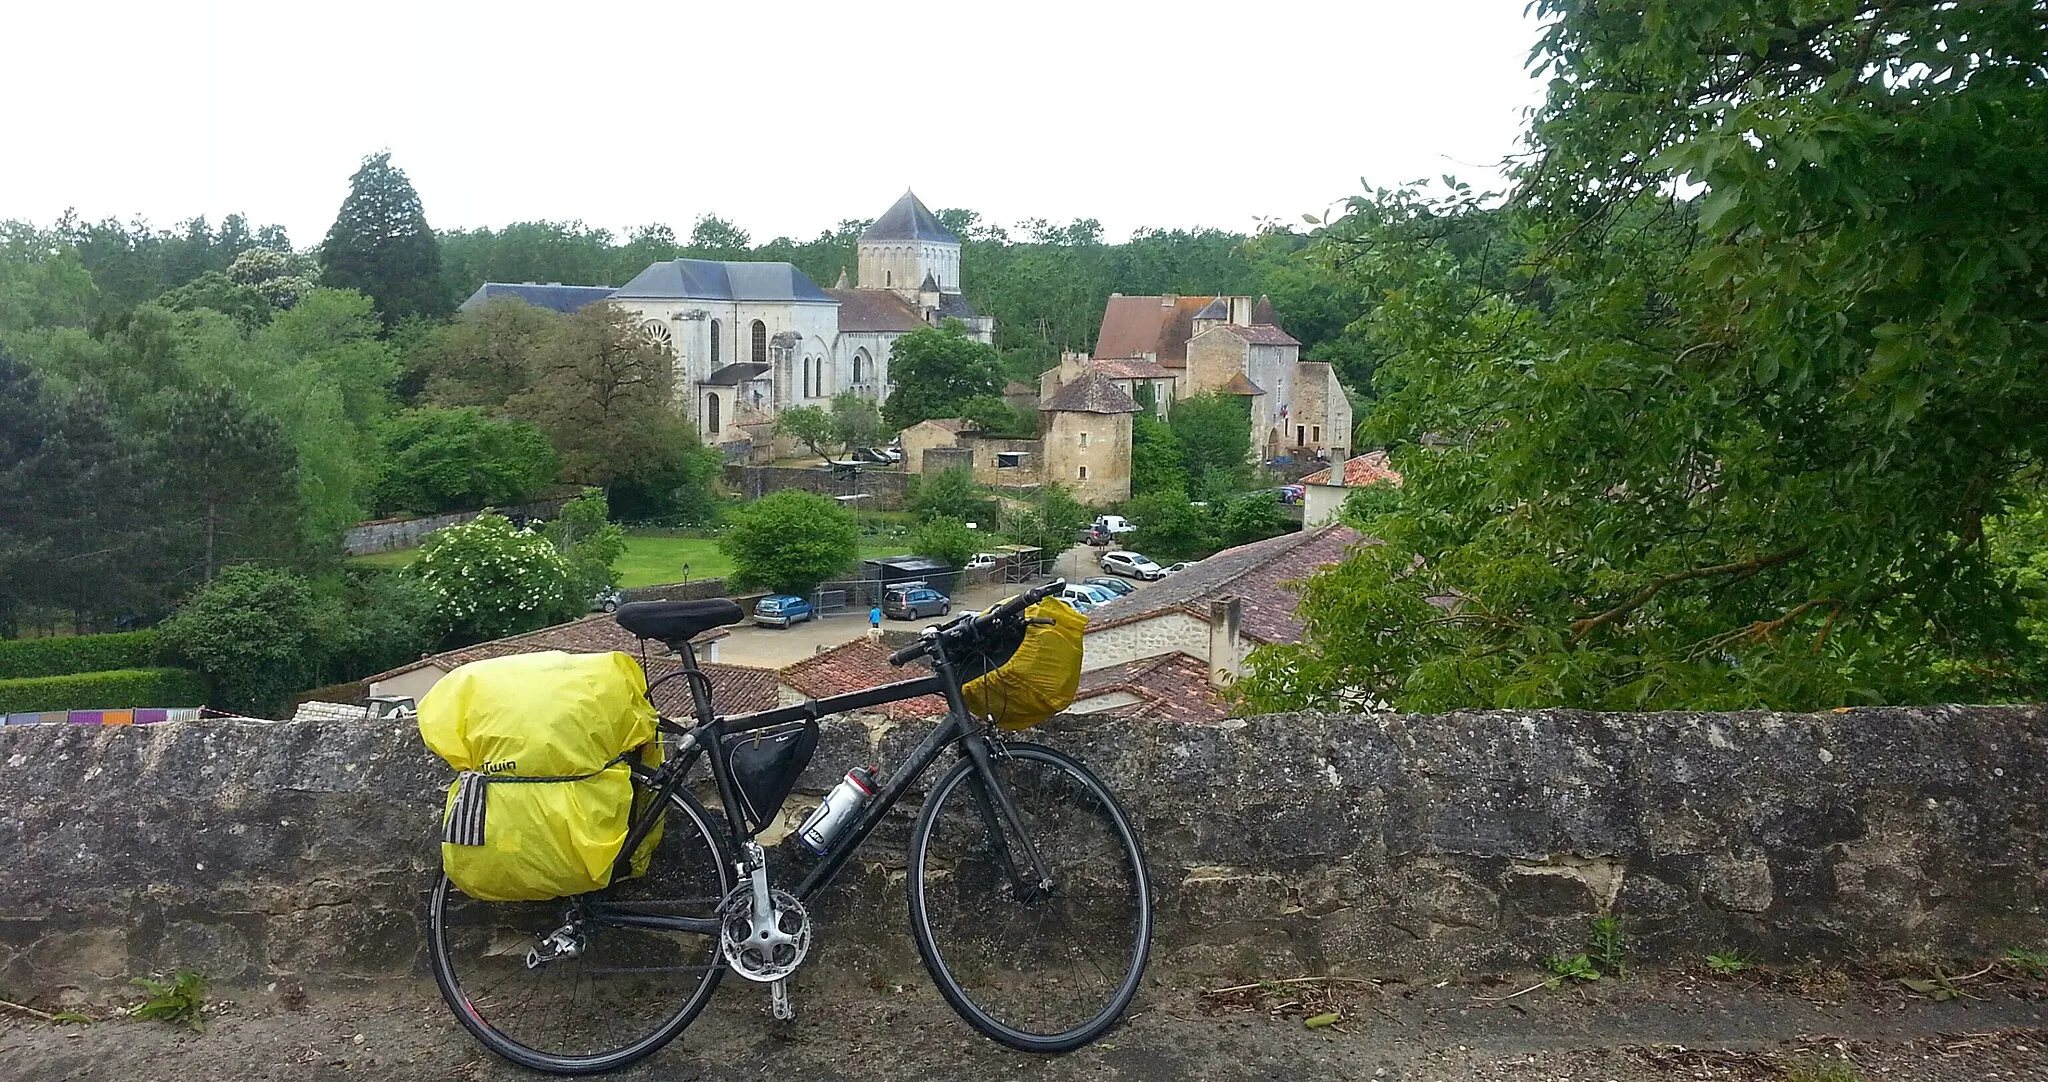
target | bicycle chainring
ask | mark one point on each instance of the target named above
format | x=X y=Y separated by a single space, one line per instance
x=763 y=955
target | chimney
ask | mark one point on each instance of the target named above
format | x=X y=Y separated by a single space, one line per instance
x=1225 y=663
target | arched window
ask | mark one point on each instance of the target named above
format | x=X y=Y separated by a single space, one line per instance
x=861 y=368
x=807 y=379
x=760 y=343
x=711 y=413
x=714 y=343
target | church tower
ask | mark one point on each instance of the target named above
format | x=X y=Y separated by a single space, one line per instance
x=905 y=247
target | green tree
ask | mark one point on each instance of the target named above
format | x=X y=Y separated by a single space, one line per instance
x=934 y=371
x=1052 y=523
x=790 y=541
x=251 y=632
x=1170 y=528
x=368 y=620
x=486 y=357
x=996 y=417
x=947 y=540
x=1215 y=436
x=1731 y=451
x=230 y=481
x=808 y=425
x=679 y=491
x=951 y=493
x=445 y=460
x=1157 y=464
x=381 y=246
x=217 y=291
x=582 y=531
x=856 y=421
x=489 y=579
x=605 y=397
x=1251 y=517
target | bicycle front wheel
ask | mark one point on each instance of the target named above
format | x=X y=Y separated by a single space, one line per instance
x=581 y=985
x=1038 y=967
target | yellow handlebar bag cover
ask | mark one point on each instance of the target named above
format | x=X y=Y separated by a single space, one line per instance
x=544 y=797
x=1039 y=679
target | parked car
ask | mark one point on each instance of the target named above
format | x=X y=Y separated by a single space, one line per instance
x=1100 y=538
x=983 y=559
x=1290 y=494
x=1081 y=598
x=783 y=610
x=1114 y=524
x=1114 y=585
x=1175 y=569
x=915 y=603
x=607 y=600
x=1132 y=565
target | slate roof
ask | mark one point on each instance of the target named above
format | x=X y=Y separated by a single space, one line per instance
x=1261 y=334
x=874 y=310
x=715 y=280
x=1130 y=368
x=554 y=298
x=1216 y=309
x=955 y=306
x=1361 y=470
x=857 y=666
x=1091 y=392
x=736 y=373
x=1262 y=311
x=1170 y=686
x=1240 y=384
x=1259 y=574
x=908 y=220
x=1132 y=326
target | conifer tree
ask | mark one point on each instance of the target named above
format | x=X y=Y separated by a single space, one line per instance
x=381 y=246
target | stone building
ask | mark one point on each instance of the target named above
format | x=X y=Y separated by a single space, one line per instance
x=1324 y=491
x=1086 y=429
x=1230 y=345
x=751 y=339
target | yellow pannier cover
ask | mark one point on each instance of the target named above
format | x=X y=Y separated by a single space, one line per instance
x=1040 y=679
x=542 y=733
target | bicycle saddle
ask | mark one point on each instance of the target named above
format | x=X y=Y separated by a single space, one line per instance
x=676 y=621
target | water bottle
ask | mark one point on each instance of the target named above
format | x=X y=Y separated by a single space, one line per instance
x=841 y=805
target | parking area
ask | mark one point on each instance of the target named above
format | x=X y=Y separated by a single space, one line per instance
x=773 y=647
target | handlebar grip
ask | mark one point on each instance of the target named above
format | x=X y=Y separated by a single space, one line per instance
x=909 y=653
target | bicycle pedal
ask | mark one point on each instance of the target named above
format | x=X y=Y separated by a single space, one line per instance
x=779 y=1001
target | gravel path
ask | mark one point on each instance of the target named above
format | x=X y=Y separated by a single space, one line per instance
x=1649 y=1027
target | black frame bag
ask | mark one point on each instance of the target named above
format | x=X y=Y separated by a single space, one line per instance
x=765 y=765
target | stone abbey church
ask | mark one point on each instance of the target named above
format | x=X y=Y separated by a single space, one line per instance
x=754 y=338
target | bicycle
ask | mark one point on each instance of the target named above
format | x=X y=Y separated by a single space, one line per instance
x=1028 y=896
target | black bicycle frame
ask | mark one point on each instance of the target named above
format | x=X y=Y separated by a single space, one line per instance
x=707 y=740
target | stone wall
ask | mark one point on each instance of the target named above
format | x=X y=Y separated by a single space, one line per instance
x=387 y=534
x=886 y=486
x=1389 y=845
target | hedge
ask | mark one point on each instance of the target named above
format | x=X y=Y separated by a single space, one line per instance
x=112 y=690
x=57 y=656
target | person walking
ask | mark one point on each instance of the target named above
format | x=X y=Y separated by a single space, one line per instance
x=875 y=623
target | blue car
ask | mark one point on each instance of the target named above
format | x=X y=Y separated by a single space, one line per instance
x=782 y=610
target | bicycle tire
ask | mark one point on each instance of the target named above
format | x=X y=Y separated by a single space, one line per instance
x=686 y=827
x=1004 y=967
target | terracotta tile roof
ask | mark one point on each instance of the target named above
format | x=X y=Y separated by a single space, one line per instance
x=1240 y=385
x=1370 y=468
x=735 y=689
x=857 y=666
x=1091 y=392
x=1170 y=687
x=1130 y=368
x=874 y=310
x=1161 y=326
x=593 y=634
x=1261 y=334
x=1261 y=574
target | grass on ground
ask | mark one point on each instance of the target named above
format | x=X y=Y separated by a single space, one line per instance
x=650 y=559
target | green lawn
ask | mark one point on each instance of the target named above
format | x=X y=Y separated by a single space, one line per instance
x=651 y=559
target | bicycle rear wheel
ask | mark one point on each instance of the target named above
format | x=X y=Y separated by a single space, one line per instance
x=627 y=990
x=1038 y=970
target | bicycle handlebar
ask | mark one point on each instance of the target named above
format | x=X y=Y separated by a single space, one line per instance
x=972 y=623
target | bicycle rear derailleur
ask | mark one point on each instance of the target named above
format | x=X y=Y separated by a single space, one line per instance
x=764 y=934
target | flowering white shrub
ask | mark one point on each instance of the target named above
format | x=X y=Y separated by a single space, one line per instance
x=491 y=579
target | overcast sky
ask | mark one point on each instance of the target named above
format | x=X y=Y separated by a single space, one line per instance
x=784 y=117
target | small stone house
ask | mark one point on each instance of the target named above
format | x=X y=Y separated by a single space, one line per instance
x=1086 y=430
x=1324 y=491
